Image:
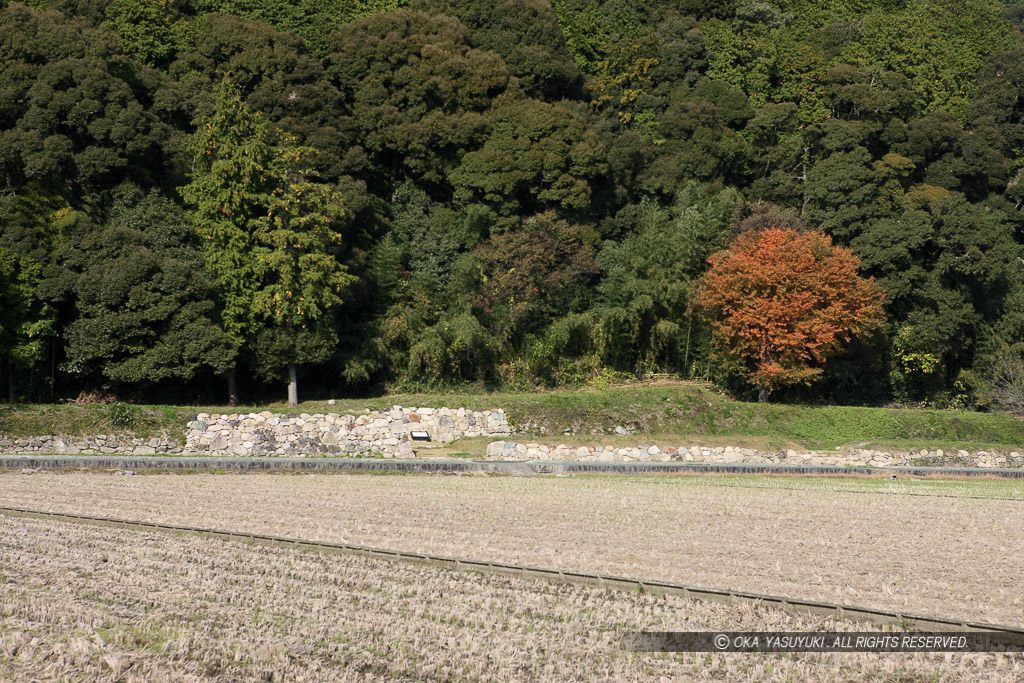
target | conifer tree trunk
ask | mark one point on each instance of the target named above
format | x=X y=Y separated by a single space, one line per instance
x=232 y=390
x=293 y=386
x=10 y=381
x=686 y=356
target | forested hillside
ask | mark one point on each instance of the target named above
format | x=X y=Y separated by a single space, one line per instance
x=409 y=194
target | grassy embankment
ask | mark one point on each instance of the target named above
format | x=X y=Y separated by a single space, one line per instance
x=679 y=414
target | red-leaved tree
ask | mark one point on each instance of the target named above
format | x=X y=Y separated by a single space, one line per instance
x=782 y=302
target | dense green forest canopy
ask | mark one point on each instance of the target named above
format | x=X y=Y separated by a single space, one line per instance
x=504 y=192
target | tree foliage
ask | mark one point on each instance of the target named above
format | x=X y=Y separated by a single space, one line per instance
x=270 y=235
x=538 y=157
x=781 y=303
x=525 y=34
x=646 y=294
x=230 y=185
x=519 y=192
x=73 y=106
x=25 y=322
x=142 y=308
x=418 y=92
x=531 y=274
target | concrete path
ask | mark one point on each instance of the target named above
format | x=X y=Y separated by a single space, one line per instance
x=138 y=463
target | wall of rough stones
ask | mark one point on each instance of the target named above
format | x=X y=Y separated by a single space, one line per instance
x=103 y=444
x=387 y=432
x=857 y=457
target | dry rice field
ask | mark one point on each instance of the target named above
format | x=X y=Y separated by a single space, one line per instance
x=79 y=602
x=947 y=557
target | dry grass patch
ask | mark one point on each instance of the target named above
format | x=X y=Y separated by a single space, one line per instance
x=93 y=603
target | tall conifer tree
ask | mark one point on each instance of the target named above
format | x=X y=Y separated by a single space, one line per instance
x=269 y=234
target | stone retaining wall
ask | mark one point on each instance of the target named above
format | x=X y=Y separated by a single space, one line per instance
x=523 y=451
x=385 y=432
x=103 y=444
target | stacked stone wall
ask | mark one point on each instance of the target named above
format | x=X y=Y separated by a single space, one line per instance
x=856 y=457
x=102 y=444
x=385 y=432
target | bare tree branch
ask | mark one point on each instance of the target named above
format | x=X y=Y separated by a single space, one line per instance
x=1006 y=382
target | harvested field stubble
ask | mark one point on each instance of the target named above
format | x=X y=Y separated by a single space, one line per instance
x=84 y=602
x=947 y=557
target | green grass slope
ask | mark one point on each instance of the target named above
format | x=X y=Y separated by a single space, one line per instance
x=691 y=413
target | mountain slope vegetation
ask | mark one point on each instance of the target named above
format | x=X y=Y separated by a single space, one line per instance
x=523 y=193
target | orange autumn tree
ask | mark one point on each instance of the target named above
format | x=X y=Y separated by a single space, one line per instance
x=782 y=302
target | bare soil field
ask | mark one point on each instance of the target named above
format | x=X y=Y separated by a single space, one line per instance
x=79 y=602
x=949 y=557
